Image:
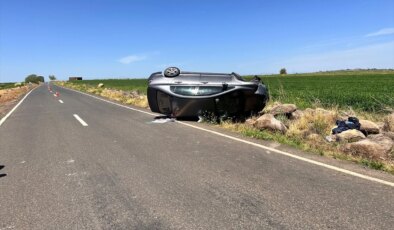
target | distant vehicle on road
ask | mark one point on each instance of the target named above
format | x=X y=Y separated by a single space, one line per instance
x=182 y=94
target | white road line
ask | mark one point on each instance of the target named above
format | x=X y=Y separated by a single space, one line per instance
x=61 y=101
x=16 y=106
x=345 y=171
x=293 y=156
x=126 y=107
x=80 y=120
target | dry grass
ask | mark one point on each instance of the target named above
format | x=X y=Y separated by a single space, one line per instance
x=12 y=93
x=126 y=97
x=313 y=143
x=317 y=121
x=9 y=97
x=308 y=133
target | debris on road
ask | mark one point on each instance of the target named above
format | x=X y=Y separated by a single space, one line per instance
x=163 y=120
x=2 y=174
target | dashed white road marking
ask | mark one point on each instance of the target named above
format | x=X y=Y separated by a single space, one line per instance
x=83 y=123
x=110 y=102
x=16 y=106
x=61 y=101
x=345 y=171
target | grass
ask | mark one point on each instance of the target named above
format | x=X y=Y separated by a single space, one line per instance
x=373 y=164
x=7 y=85
x=367 y=91
x=139 y=85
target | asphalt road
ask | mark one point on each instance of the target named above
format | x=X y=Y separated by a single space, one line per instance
x=122 y=171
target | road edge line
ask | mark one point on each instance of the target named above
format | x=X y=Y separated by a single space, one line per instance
x=344 y=171
x=15 y=107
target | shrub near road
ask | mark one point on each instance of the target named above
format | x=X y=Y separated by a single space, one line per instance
x=7 y=85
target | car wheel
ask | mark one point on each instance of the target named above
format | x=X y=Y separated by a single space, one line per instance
x=171 y=72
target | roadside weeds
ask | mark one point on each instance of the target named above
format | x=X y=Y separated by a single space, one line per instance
x=10 y=96
x=317 y=145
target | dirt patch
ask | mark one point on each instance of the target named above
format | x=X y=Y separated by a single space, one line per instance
x=9 y=97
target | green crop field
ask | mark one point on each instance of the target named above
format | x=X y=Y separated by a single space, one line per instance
x=371 y=92
x=367 y=92
x=7 y=85
x=139 y=85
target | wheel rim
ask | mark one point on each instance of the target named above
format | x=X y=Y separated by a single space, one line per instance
x=172 y=71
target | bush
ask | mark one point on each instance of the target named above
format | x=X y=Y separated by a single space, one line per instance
x=283 y=71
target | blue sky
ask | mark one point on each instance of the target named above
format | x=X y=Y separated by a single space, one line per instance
x=131 y=39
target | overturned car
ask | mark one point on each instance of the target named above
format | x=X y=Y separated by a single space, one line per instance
x=182 y=94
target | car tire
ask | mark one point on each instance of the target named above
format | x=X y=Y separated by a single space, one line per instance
x=172 y=72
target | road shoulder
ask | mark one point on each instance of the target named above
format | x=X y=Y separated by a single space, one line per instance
x=10 y=97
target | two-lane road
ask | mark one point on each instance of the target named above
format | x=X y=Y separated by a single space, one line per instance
x=87 y=164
